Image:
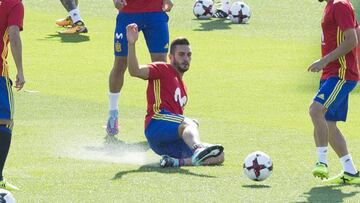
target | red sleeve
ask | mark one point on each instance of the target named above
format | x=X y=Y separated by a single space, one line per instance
x=16 y=16
x=344 y=16
x=156 y=70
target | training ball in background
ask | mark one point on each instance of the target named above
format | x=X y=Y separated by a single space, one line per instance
x=258 y=166
x=6 y=196
x=239 y=12
x=203 y=9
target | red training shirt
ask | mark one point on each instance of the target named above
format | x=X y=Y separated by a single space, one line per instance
x=142 y=6
x=338 y=17
x=165 y=90
x=11 y=13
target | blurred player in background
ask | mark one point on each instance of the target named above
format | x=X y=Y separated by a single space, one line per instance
x=152 y=20
x=223 y=10
x=169 y=133
x=74 y=19
x=11 y=23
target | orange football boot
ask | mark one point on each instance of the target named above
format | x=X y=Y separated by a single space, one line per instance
x=78 y=27
x=64 y=22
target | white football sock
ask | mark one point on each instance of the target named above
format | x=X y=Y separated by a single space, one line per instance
x=225 y=5
x=75 y=15
x=322 y=154
x=348 y=164
x=114 y=101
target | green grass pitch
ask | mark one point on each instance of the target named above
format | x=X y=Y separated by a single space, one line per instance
x=247 y=85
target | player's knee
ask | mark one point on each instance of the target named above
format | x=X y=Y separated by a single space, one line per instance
x=190 y=122
x=316 y=110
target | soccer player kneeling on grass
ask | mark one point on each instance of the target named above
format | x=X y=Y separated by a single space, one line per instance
x=168 y=132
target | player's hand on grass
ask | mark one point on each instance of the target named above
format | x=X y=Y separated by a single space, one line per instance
x=132 y=33
x=167 y=5
x=318 y=65
x=20 y=81
x=119 y=4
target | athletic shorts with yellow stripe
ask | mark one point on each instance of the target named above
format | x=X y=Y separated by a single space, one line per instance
x=163 y=137
x=6 y=100
x=334 y=95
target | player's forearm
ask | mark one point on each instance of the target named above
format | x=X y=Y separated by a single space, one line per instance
x=132 y=61
x=345 y=47
x=16 y=47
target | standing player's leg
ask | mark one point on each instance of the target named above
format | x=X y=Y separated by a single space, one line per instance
x=317 y=111
x=74 y=20
x=116 y=77
x=116 y=82
x=6 y=112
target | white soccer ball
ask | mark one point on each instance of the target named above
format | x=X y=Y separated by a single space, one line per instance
x=239 y=12
x=203 y=9
x=258 y=166
x=6 y=197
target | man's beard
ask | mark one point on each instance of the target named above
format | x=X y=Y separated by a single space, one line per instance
x=179 y=68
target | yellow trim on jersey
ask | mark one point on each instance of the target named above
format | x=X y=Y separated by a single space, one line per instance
x=11 y=100
x=156 y=106
x=340 y=37
x=168 y=117
x=5 y=71
x=334 y=93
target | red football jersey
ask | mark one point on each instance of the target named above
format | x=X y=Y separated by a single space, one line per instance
x=165 y=90
x=142 y=6
x=11 y=13
x=338 y=17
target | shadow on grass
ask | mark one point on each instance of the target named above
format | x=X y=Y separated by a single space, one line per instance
x=154 y=167
x=208 y=25
x=256 y=186
x=69 y=38
x=330 y=193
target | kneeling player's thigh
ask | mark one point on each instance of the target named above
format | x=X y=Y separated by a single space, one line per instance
x=178 y=149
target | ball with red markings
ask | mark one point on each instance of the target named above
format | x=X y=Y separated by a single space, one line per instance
x=258 y=166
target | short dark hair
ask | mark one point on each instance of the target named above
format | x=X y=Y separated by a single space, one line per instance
x=178 y=41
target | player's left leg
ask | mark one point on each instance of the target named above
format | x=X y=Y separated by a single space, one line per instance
x=338 y=112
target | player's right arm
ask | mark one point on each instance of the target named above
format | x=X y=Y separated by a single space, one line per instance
x=15 y=23
x=135 y=70
x=16 y=50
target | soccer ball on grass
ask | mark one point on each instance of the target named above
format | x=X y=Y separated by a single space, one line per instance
x=239 y=12
x=203 y=9
x=258 y=166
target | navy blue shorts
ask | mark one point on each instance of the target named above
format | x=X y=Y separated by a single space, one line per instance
x=6 y=100
x=163 y=136
x=334 y=95
x=154 y=26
